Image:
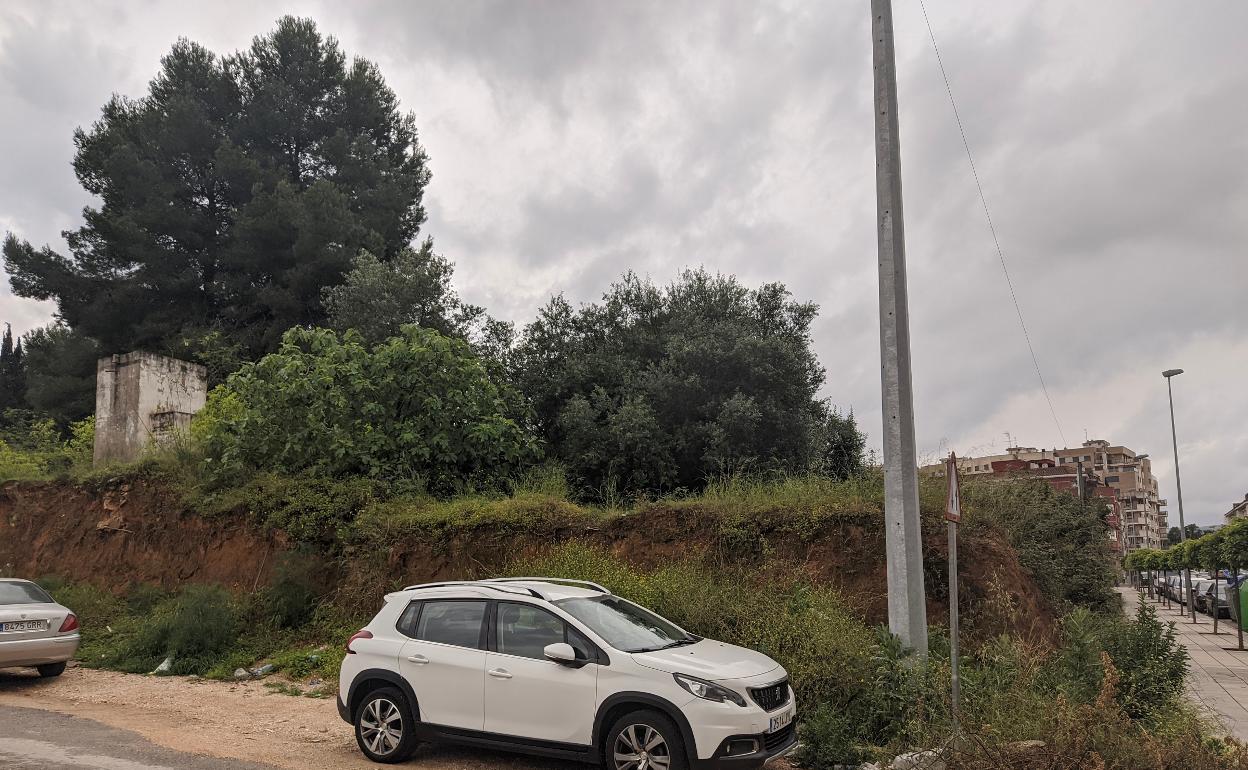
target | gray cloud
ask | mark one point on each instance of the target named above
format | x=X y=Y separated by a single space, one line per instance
x=572 y=141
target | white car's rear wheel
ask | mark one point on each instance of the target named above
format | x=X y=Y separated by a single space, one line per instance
x=384 y=727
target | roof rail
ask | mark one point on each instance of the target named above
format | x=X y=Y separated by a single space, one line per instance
x=565 y=581
x=522 y=590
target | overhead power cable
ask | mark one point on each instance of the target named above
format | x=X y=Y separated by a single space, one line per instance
x=991 y=227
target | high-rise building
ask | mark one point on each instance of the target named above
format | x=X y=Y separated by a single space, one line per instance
x=1116 y=473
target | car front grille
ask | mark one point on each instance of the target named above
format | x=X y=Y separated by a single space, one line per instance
x=779 y=739
x=771 y=697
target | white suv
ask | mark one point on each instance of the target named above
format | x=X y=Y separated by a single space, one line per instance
x=558 y=668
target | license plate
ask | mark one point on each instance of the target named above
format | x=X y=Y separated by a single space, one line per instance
x=781 y=721
x=25 y=625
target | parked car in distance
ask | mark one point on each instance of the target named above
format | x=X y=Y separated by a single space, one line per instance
x=35 y=631
x=1223 y=601
x=1168 y=587
x=1201 y=588
x=558 y=668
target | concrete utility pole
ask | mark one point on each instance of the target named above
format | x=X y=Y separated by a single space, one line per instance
x=1178 y=484
x=907 y=608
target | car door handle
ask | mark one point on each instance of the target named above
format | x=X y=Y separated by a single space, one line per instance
x=499 y=673
x=418 y=659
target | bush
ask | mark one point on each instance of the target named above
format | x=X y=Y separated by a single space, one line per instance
x=142 y=598
x=289 y=601
x=1062 y=541
x=309 y=509
x=418 y=410
x=657 y=389
x=894 y=692
x=42 y=452
x=196 y=629
x=1149 y=662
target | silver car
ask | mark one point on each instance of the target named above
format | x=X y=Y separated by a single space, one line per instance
x=34 y=629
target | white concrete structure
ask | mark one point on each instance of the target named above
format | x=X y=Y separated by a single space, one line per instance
x=141 y=398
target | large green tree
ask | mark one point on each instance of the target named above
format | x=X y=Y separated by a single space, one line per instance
x=376 y=298
x=656 y=389
x=60 y=373
x=229 y=196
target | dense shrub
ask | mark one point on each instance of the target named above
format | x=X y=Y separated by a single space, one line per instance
x=1152 y=663
x=195 y=630
x=290 y=599
x=657 y=389
x=1062 y=541
x=41 y=452
x=309 y=509
x=142 y=598
x=418 y=410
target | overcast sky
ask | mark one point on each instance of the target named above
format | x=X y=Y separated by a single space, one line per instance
x=571 y=141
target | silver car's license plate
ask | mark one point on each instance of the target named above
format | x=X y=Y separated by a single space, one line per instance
x=781 y=721
x=25 y=625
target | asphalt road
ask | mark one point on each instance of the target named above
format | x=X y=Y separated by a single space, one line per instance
x=31 y=739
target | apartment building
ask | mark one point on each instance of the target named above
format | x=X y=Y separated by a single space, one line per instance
x=1238 y=511
x=1144 y=520
x=1117 y=473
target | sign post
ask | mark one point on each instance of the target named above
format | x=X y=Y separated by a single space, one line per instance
x=953 y=514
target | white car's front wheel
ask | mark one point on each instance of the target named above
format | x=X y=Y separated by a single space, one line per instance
x=383 y=726
x=645 y=740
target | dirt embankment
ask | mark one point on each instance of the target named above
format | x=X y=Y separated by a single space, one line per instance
x=132 y=532
x=139 y=532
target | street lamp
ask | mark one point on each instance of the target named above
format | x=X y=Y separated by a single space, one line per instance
x=1178 y=484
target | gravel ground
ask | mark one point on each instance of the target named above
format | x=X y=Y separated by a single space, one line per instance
x=41 y=740
x=239 y=721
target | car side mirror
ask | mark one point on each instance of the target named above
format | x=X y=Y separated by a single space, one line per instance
x=560 y=652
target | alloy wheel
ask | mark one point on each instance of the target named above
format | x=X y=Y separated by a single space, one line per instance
x=381 y=726
x=641 y=747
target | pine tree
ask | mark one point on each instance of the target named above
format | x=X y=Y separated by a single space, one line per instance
x=231 y=195
x=12 y=373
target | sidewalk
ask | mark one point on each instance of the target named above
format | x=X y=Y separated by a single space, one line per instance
x=1219 y=677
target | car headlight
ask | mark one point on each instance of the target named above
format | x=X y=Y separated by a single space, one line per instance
x=708 y=691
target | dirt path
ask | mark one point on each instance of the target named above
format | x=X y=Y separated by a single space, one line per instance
x=241 y=721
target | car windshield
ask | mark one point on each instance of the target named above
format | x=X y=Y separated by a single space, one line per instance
x=22 y=593
x=624 y=625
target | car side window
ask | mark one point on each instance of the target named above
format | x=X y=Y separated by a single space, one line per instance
x=407 y=621
x=525 y=630
x=451 y=622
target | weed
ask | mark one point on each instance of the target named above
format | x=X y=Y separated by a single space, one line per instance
x=284 y=688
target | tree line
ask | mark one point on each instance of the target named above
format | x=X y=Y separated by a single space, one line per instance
x=1222 y=549
x=260 y=212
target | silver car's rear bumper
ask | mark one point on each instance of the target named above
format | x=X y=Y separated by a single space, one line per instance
x=37 y=652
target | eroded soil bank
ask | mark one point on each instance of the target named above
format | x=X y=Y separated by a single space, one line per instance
x=133 y=532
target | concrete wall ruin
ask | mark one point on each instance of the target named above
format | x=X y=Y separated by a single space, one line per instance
x=142 y=398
